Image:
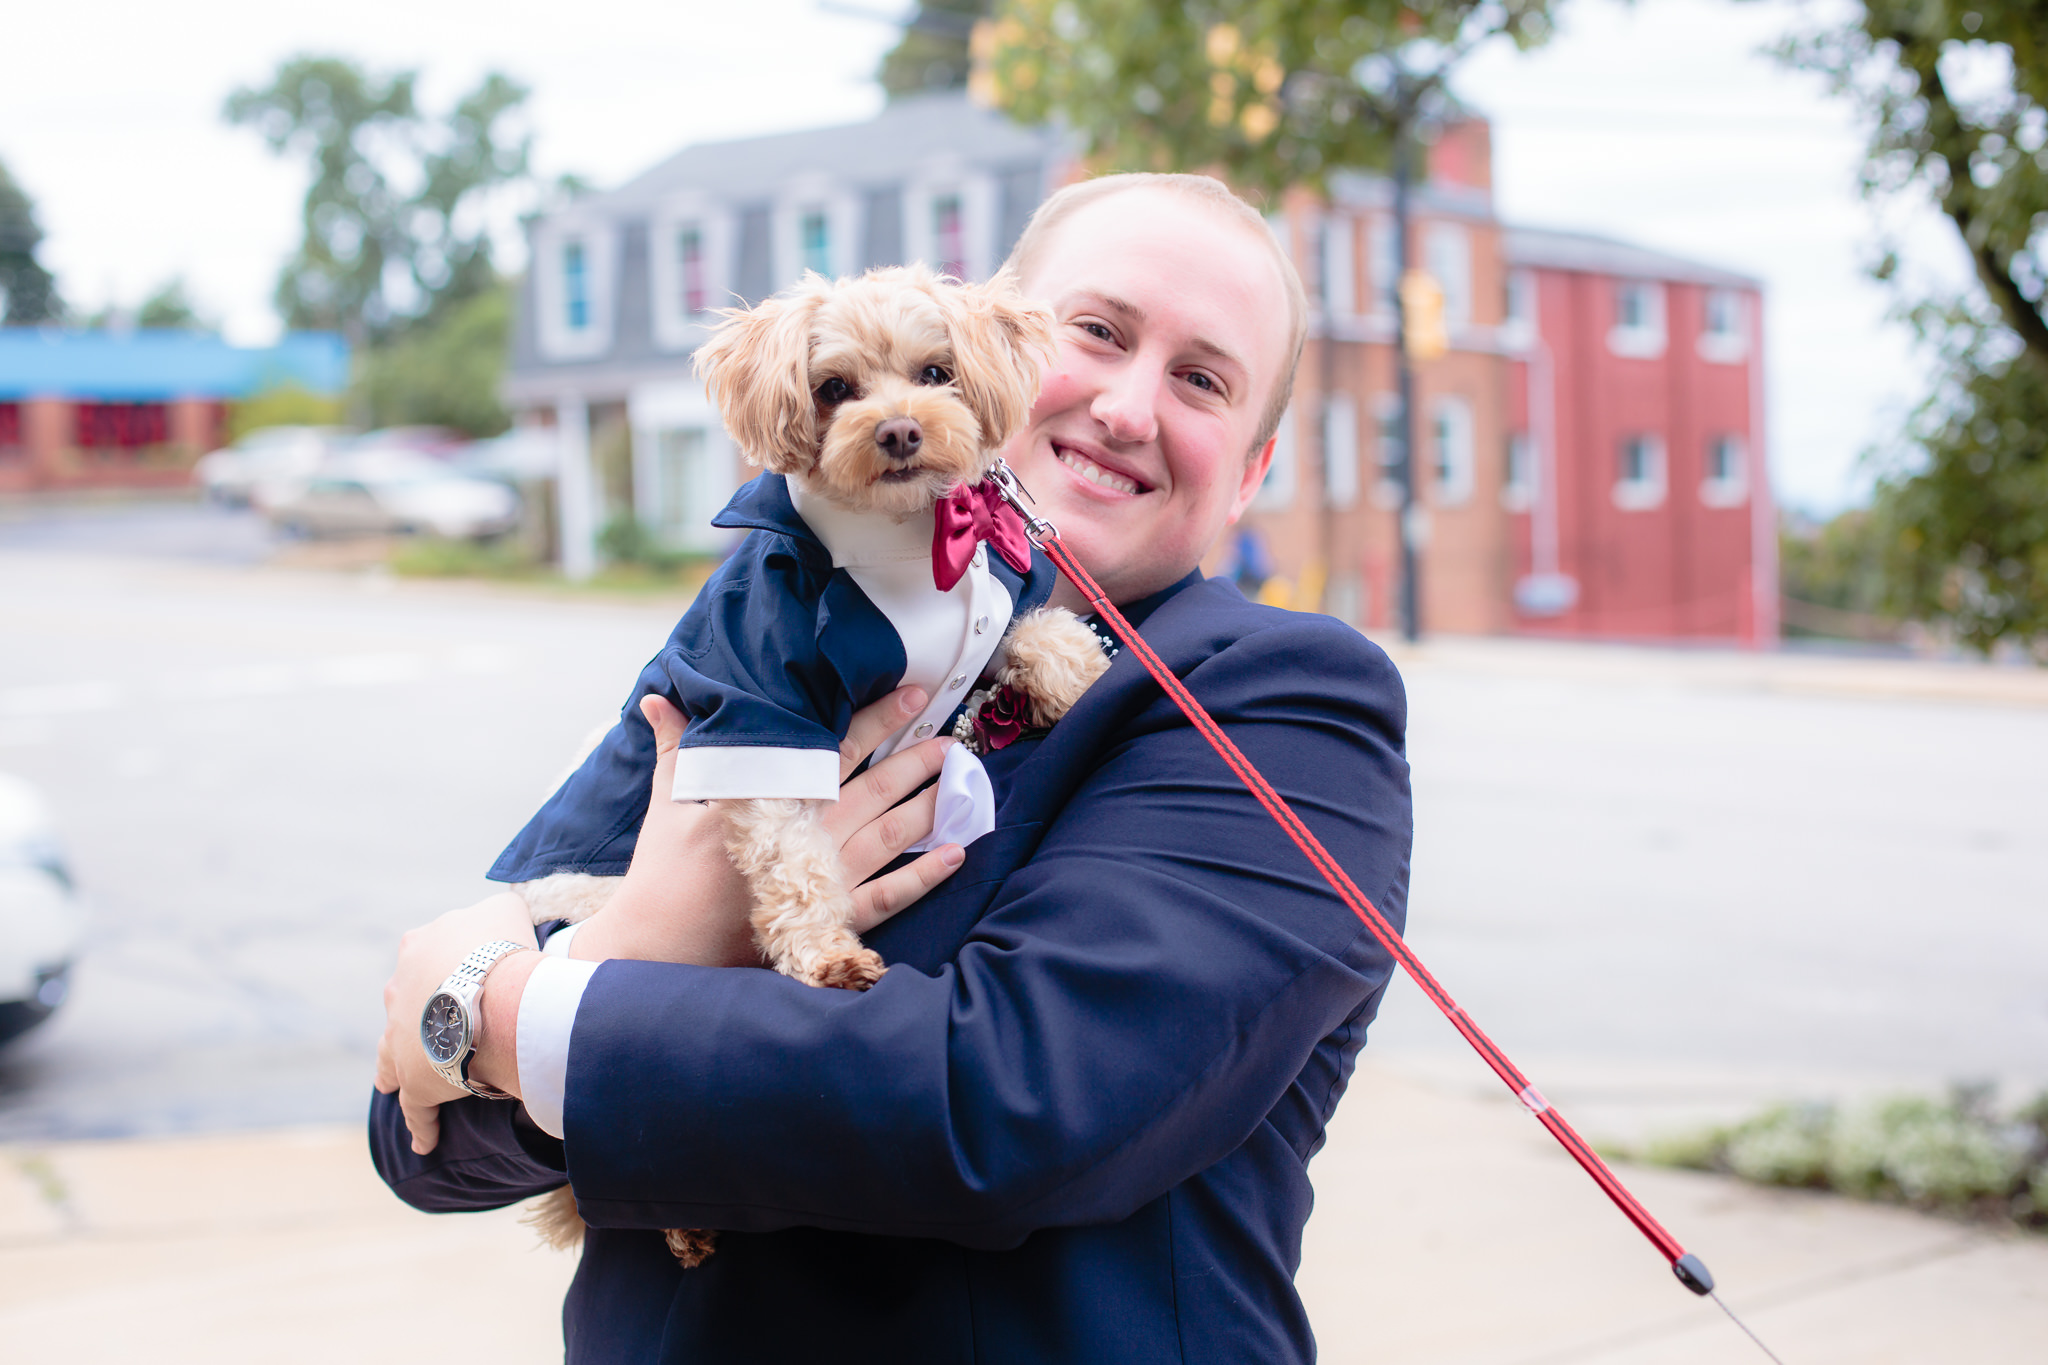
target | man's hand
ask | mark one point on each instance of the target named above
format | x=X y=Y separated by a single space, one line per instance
x=682 y=901
x=425 y=957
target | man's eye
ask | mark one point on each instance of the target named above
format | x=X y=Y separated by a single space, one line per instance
x=833 y=391
x=1202 y=381
x=934 y=374
x=1097 y=330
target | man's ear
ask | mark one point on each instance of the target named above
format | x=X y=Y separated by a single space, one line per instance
x=757 y=369
x=1002 y=343
x=1254 y=474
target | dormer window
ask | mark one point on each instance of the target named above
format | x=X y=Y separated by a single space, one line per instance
x=949 y=235
x=696 y=298
x=575 y=287
x=814 y=240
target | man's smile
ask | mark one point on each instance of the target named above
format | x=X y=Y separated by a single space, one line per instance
x=1094 y=472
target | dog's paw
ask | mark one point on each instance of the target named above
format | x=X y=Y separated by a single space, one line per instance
x=1051 y=658
x=691 y=1246
x=848 y=971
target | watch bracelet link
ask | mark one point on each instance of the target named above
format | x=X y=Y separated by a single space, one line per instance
x=466 y=984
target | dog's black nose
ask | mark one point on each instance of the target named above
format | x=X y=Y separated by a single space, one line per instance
x=899 y=437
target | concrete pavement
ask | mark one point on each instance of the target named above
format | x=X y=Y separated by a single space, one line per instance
x=1449 y=1231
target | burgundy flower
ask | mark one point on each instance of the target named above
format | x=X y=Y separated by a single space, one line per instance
x=1000 y=720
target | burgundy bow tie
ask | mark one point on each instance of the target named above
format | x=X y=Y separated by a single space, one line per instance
x=963 y=519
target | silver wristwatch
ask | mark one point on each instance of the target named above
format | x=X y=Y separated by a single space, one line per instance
x=451 y=1021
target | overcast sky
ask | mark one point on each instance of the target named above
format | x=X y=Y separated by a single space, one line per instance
x=1658 y=123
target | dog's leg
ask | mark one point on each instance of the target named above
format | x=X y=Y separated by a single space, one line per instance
x=553 y=1215
x=803 y=914
x=1051 y=658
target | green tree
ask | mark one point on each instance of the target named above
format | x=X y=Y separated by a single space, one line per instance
x=390 y=231
x=1957 y=98
x=933 y=53
x=443 y=372
x=171 y=307
x=28 y=294
x=1268 y=93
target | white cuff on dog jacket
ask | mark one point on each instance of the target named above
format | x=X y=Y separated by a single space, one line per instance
x=725 y=773
x=547 y=1014
x=967 y=803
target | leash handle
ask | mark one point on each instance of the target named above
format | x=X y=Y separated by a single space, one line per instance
x=1688 y=1268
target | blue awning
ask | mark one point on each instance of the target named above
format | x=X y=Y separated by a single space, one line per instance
x=146 y=366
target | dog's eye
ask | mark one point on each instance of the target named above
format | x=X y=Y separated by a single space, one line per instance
x=834 y=390
x=934 y=374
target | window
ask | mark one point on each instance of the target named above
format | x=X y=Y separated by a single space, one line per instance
x=125 y=429
x=1276 y=491
x=814 y=241
x=1340 y=450
x=1383 y=271
x=1392 y=441
x=1518 y=482
x=1452 y=451
x=1450 y=262
x=1640 y=477
x=1518 y=313
x=10 y=430
x=1727 y=481
x=1724 y=338
x=1638 y=319
x=679 y=455
x=696 y=294
x=1336 y=275
x=575 y=287
x=949 y=235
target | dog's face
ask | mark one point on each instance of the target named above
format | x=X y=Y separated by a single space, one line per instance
x=883 y=392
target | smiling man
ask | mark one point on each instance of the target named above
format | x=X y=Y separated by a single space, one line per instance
x=1072 y=1121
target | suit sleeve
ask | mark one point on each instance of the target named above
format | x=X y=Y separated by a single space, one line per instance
x=490 y=1155
x=1138 y=997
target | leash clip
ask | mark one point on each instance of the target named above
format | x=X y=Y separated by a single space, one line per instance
x=1011 y=487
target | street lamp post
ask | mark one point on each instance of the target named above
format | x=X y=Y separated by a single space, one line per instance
x=1404 y=367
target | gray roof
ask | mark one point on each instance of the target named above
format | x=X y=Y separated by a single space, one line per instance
x=1583 y=251
x=898 y=142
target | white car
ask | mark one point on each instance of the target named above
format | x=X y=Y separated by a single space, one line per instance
x=42 y=924
x=379 y=492
x=274 y=458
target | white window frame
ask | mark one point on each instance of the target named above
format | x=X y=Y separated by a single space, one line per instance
x=1338 y=277
x=1386 y=484
x=1340 y=450
x=1731 y=490
x=978 y=200
x=1518 y=481
x=1518 y=323
x=1645 y=339
x=1276 y=490
x=556 y=339
x=1382 y=269
x=1642 y=494
x=1452 y=456
x=681 y=405
x=675 y=329
x=1448 y=258
x=798 y=200
x=1724 y=347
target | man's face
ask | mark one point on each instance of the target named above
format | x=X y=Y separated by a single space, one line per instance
x=1172 y=332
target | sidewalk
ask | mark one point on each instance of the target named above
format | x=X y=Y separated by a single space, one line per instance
x=1449 y=1231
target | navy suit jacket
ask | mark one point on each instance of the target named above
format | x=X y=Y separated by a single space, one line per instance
x=1072 y=1122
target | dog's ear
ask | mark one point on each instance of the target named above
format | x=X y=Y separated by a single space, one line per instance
x=1002 y=343
x=757 y=368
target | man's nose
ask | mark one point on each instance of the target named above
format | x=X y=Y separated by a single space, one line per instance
x=1128 y=405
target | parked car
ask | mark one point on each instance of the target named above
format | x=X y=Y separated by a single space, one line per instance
x=42 y=924
x=385 y=491
x=239 y=474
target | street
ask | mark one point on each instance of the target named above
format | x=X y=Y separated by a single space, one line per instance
x=1667 y=883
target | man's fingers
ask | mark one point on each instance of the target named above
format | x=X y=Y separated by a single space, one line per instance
x=877 y=843
x=874 y=723
x=882 y=786
x=668 y=723
x=884 y=896
x=424 y=1122
x=387 y=1065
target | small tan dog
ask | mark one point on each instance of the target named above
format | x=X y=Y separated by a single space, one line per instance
x=879 y=396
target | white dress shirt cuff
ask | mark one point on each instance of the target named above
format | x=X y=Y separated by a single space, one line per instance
x=547 y=1014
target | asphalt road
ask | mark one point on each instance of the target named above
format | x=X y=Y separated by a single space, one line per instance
x=1664 y=881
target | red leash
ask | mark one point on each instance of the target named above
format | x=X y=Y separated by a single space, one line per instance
x=1690 y=1271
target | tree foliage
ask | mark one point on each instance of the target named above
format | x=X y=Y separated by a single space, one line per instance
x=393 y=224
x=1957 y=98
x=933 y=53
x=28 y=294
x=1269 y=93
x=444 y=372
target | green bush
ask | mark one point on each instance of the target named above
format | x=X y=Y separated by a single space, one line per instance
x=1955 y=1156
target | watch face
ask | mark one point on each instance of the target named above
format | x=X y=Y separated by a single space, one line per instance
x=444 y=1028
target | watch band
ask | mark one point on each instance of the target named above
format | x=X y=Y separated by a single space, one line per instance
x=463 y=987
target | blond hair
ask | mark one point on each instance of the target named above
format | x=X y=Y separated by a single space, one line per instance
x=1202 y=190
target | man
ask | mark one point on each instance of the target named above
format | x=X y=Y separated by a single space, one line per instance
x=1071 y=1122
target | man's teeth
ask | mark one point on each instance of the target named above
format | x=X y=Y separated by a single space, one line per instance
x=1094 y=472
